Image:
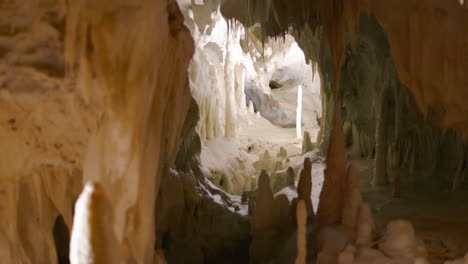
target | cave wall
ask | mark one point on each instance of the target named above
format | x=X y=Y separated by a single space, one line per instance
x=195 y=221
x=90 y=94
x=45 y=128
x=375 y=104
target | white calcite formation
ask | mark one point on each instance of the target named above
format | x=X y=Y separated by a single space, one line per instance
x=230 y=77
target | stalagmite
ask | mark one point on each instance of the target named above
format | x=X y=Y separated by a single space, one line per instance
x=307 y=143
x=264 y=197
x=304 y=187
x=263 y=224
x=352 y=199
x=365 y=226
x=282 y=153
x=92 y=240
x=331 y=197
x=299 y=112
x=290 y=176
x=301 y=218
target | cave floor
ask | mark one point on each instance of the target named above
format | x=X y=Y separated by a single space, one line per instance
x=439 y=215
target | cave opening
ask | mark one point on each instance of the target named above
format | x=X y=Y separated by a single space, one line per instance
x=259 y=102
x=236 y=69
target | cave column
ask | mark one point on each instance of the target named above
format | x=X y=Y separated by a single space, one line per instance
x=381 y=142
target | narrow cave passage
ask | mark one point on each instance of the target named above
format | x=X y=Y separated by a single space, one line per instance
x=250 y=99
x=246 y=88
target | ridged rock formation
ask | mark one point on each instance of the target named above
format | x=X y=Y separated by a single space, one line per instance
x=331 y=197
x=304 y=188
x=307 y=143
x=301 y=218
x=352 y=199
x=92 y=239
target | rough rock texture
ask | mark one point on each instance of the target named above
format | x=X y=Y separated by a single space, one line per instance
x=139 y=130
x=92 y=239
x=195 y=221
x=400 y=241
x=331 y=197
x=361 y=48
x=304 y=188
x=264 y=105
x=103 y=122
x=301 y=218
x=117 y=117
x=307 y=143
x=352 y=199
x=272 y=223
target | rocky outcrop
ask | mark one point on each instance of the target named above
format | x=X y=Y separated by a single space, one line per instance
x=272 y=223
x=265 y=105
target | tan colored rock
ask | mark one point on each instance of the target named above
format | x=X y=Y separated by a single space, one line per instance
x=307 y=143
x=282 y=153
x=263 y=222
x=304 y=187
x=159 y=257
x=365 y=226
x=331 y=197
x=263 y=212
x=92 y=240
x=400 y=241
x=347 y=255
x=352 y=199
x=301 y=218
x=290 y=176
